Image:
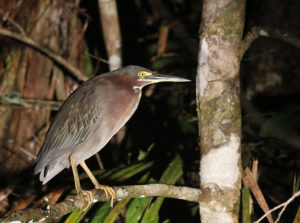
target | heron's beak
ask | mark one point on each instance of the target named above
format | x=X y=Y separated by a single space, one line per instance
x=156 y=78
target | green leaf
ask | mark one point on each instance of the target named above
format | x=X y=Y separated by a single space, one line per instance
x=164 y=62
x=151 y=49
x=137 y=207
x=297 y=217
x=170 y=176
x=126 y=173
x=142 y=155
x=151 y=215
x=173 y=172
x=14 y=97
x=101 y=213
x=119 y=174
x=76 y=216
x=113 y=214
x=187 y=128
x=246 y=205
x=280 y=126
x=87 y=63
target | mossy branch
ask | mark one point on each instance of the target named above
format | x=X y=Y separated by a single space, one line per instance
x=72 y=203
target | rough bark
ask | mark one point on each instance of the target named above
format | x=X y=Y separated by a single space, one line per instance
x=218 y=106
x=25 y=73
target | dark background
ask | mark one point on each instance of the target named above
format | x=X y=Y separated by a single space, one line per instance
x=270 y=82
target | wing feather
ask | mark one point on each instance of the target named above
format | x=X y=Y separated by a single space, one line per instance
x=77 y=119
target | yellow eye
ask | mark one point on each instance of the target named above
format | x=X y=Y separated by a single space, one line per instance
x=144 y=74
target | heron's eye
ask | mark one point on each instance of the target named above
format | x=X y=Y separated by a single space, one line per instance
x=144 y=74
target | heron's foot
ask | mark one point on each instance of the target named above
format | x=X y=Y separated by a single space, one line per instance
x=109 y=193
x=86 y=195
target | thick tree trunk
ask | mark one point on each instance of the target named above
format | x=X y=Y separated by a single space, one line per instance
x=218 y=106
x=30 y=75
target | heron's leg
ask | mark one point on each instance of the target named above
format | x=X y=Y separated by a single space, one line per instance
x=75 y=175
x=77 y=184
x=109 y=192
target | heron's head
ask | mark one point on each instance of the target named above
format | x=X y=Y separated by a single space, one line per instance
x=143 y=76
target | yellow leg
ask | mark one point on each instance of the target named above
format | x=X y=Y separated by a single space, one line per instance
x=109 y=192
x=80 y=192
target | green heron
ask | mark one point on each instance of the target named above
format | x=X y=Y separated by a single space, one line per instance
x=88 y=119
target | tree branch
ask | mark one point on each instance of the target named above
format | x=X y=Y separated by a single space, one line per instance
x=74 y=202
x=267 y=32
x=56 y=58
x=276 y=33
x=284 y=205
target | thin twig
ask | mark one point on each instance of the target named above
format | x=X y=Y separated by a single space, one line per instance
x=99 y=161
x=27 y=153
x=162 y=40
x=56 y=58
x=284 y=205
x=97 y=58
x=267 y=32
x=250 y=181
x=5 y=17
x=278 y=34
x=249 y=38
x=33 y=103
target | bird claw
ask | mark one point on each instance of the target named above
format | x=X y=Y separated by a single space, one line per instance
x=89 y=195
x=109 y=193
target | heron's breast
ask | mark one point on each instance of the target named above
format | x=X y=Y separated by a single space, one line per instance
x=122 y=107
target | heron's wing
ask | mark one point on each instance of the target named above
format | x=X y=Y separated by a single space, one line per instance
x=77 y=119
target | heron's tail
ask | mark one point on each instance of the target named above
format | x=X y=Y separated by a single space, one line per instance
x=50 y=170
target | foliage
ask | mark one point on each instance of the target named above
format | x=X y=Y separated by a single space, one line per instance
x=165 y=125
x=144 y=209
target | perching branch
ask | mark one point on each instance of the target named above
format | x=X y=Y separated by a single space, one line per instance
x=53 y=56
x=267 y=32
x=74 y=202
